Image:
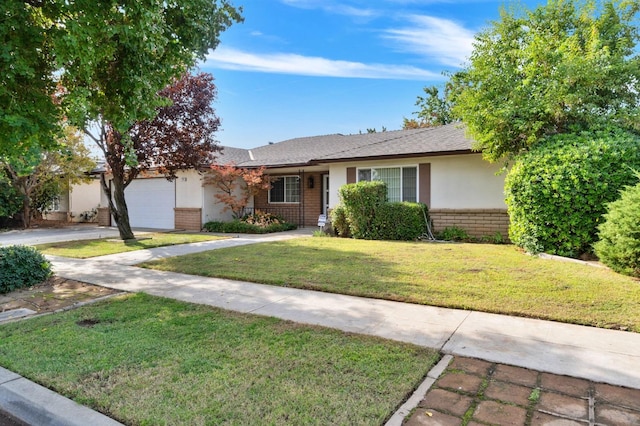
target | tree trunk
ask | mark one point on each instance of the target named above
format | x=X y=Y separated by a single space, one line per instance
x=26 y=212
x=118 y=206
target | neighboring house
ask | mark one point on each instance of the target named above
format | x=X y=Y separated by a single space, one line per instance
x=435 y=166
x=79 y=204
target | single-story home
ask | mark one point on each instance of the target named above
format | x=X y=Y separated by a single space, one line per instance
x=79 y=204
x=435 y=166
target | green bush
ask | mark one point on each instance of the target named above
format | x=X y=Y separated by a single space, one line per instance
x=453 y=233
x=399 y=221
x=361 y=201
x=239 y=227
x=22 y=266
x=339 y=222
x=619 y=245
x=557 y=192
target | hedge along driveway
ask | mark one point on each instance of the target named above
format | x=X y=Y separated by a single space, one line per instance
x=490 y=278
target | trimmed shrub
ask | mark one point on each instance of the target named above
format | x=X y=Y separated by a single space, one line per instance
x=339 y=222
x=399 y=221
x=557 y=192
x=22 y=266
x=619 y=245
x=361 y=201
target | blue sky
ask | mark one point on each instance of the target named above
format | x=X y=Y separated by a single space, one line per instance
x=311 y=67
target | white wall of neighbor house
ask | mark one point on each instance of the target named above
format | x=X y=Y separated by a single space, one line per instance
x=457 y=181
x=84 y=197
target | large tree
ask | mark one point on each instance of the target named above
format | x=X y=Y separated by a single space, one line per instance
x=435 y=109
x=117 y=59
x=179 y=137
x=51 y=172
x=564 y=67
x=28 y=114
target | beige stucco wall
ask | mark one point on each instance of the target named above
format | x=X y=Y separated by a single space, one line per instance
x=189 y=189
x=84 y=197
x=457 y=181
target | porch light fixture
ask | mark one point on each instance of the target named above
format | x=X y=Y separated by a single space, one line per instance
x=310 y=182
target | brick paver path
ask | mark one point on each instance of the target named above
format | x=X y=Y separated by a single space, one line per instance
x=474 y=392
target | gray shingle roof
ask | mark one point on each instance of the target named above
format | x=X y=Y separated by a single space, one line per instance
x=330 y=148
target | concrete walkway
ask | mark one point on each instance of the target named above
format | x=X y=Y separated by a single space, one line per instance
x=597 y=355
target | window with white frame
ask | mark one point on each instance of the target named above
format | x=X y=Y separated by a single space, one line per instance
x=55 y=204
x=285 y=189
x=402 y=182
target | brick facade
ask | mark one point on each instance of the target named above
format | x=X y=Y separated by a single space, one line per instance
x=189 y=219
x=477 y=222
x=104 y=216
x=304 y=213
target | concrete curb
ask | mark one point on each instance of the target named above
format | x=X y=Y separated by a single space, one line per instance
x=37 y=405
x=417 y=396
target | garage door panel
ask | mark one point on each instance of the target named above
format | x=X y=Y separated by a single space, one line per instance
x=151 y=203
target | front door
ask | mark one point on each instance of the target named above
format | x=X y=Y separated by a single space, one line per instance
x=325 y=194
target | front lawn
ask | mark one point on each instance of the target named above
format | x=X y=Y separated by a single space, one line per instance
x=482 y=277
x=91 y=248
x=147 y=360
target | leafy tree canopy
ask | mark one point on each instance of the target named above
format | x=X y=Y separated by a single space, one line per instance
x=564 y=67
x=435 y=109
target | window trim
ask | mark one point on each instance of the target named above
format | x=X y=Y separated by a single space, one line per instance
x=415 y=166
x=285 y=190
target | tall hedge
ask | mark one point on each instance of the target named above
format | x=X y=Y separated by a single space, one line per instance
x=619 y=244
x=558 y=191
x=400 y=221
x=361 y=201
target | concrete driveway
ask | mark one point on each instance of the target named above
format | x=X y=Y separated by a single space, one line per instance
x=52 y=235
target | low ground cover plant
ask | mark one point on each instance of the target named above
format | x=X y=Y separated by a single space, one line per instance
x=22 y=266
x=147 y=360
x=482 y=277
x=254 y=223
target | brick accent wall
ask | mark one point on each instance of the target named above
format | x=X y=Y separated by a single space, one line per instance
x=303 y=214
x=477 y=223
x=188 y=218
x=104 y=216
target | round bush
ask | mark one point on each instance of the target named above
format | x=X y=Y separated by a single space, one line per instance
x=400 y=221
x=619 y=244
x=22 y=266
x=557 y=192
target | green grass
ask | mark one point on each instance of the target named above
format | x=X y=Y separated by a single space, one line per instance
x=91 y=248
x=482 y=277
x=147 y=360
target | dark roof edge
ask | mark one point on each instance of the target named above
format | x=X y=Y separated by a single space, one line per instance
x=393 y=156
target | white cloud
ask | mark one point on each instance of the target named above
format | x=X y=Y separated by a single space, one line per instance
x=437 y=39
x=332 y=7
x=288 y=63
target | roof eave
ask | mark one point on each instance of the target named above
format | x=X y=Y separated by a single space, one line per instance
x=394 y=156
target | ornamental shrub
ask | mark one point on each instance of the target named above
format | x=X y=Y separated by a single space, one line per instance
x=22 y=266
x=361 y=201
x=619 y=244
x=339 y=222
x=237 y=226
x=557 y=192
x=399 y=221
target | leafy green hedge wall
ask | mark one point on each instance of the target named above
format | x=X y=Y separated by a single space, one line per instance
x=619 y=245
x=365 y=214
x=557 y=192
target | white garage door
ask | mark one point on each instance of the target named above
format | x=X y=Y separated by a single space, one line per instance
x=151 y=203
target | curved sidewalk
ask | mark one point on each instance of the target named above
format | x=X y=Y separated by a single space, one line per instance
x=600 y=355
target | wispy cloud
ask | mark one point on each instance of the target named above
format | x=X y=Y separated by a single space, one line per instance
x=436 y=39
x=287 y=63
x=333 y=7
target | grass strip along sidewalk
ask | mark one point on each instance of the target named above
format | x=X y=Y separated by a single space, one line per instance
x=84 y=249
x=147 y=360
x=483 y=277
